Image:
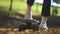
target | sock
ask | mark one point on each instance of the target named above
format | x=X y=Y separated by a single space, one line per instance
x=43 y=21
x=43 y=24
x=28 y=13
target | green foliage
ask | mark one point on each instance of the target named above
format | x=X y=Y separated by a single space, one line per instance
x=20 y=6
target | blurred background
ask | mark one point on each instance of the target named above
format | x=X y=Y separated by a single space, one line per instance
x=12 y=10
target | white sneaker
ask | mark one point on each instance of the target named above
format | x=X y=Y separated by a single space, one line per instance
x=43 y=26
x=29 y=18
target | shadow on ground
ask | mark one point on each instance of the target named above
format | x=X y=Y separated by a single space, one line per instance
x=13 y=22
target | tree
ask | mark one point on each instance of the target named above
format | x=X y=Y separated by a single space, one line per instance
x=57 y=1
x=55 y=11
x=11 y=5
x=10 y=9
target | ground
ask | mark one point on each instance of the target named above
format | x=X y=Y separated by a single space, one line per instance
x=29 y=31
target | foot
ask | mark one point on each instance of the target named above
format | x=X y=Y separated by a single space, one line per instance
x=34 y=20
x=43 y=27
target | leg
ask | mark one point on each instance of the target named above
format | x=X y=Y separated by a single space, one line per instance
x=28 y=11
x=45 y=14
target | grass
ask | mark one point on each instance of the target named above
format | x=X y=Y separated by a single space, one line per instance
x=20 y=8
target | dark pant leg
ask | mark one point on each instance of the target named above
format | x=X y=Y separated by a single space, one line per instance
x=46 y=8
x=30 y=2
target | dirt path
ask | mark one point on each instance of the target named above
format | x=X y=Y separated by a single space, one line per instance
x=29 y=31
